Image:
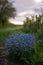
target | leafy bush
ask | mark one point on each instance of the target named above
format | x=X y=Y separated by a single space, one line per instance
x=33 y=26
x=24 y=49
x=20 y=48
x=38 y=49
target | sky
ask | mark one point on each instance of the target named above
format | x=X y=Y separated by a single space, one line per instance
x=25 y=8
x=23 y=5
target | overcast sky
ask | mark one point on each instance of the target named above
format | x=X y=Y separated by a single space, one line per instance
x=23 y=5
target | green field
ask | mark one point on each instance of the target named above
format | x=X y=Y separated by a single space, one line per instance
x=7 y=30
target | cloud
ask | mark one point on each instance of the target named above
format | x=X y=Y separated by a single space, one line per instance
x=16 y=22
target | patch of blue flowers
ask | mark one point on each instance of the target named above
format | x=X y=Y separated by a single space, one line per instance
x=20 y=40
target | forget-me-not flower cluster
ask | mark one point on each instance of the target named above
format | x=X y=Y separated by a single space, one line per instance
x=20 y=39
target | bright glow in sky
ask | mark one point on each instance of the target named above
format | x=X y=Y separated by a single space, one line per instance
x=38 y=1
x=15 y=22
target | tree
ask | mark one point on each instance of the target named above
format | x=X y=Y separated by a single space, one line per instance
x=6 y=11
x=27 y=24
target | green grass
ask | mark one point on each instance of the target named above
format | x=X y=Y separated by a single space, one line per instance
x=11 y=29
x=5 y=34
x=7 y=25
x=10 y=25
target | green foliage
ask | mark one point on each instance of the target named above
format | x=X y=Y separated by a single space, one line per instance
x=33 y=26
x=6 y=11
x=4 y=32
x=29 y=57
x=18 y=55
x=38 y=48
x=32 y=56
x=27 y=25
x=4 y=35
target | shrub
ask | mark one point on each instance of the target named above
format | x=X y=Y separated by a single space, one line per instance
x=24 y=49
x=20 y=47
x=33 y=26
